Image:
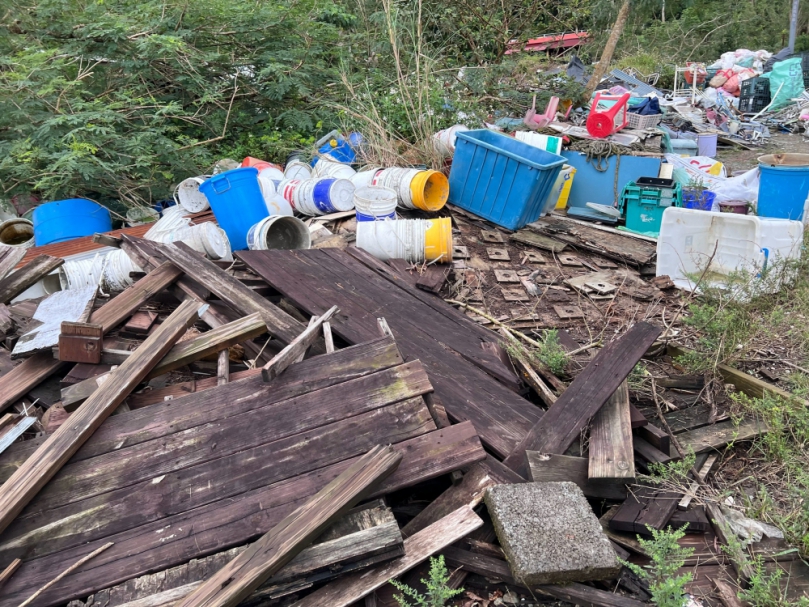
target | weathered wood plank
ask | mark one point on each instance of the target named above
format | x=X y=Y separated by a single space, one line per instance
x=562 y=422
x=175 y=489
x=121 y=307
x=9 y=258
x=418 y=549
x=192 y=410
x=367 y=535
x=539 y=241
x=244 y=574
x=655 y=436
x=5 y=576
x=230 y=521
x=315 y=280
x=223 y=367
x=296 y=349
x=17 y=282
x=231 y=291
x=27 y=375
x=611 y=453
x=720 y=435
x=181 y=354
x=557 y=468
x=60 y=446
x=645 y=507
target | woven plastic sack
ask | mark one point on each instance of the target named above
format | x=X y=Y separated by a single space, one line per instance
x=786 y=82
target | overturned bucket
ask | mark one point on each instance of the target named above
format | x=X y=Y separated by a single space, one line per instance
x=323 y=196
x=414 y=240
x=279 y=232
x=438 y=240
x=417 y=189
x=276 y=204
x=329 y=167
x=296 y=169
x=188 y=196
x=374 y=203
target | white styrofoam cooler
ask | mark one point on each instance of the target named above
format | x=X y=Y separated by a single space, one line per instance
x=745 y=243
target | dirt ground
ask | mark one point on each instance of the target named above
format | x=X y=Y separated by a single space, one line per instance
x=737 y=159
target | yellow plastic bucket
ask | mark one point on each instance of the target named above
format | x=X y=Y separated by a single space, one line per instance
x=438 y=240
x=429 y=190
x=565 y=193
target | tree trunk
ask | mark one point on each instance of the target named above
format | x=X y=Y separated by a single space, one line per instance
x=609 y=49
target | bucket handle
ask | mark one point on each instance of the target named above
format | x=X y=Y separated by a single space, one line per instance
x=223 y=181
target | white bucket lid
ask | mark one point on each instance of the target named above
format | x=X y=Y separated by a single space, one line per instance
x=188 y=196
x=271 y=173
x=342 y=195
x=216 y=246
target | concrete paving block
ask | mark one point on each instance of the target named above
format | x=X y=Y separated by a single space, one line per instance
x=550 y=534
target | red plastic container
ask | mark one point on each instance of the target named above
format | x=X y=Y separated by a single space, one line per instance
x=603 y=121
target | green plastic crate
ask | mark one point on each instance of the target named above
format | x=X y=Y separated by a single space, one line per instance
x=643 y=206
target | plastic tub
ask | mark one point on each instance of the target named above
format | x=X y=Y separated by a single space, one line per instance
x=236 y=202
x=783 y=186
x=276 y=204
x=445 y=139
x=279 y=232
x=501 y=179
x=743 y=242
x=365 y=177
x=374 y=203
x=68 y=219
x=429 y=190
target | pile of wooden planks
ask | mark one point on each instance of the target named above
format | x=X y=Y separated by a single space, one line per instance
x=299 y=426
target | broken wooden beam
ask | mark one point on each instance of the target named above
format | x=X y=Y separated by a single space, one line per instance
x=244 y=574
x=27 y=375
x=181 y=354
x=17 y=282
x=562 y=423
x=557 y=468
x=297 y=347
x=418 y=548
x=231 y=291
x=611 y=455
x=9 y=258
x=60 y=446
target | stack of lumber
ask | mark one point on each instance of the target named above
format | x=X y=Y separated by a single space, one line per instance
x=296 y=426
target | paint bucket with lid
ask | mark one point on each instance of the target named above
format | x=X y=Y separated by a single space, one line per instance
x=17 y=232
x=438 y=240
x=188 y=196
x=206 y=238
x=323 y=196
x=329 y=167
x=374 y=203
x=279 y=232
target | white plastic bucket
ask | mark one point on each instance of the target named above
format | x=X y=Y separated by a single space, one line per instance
x=445 y=139
x=17 y=232
x=323 y=196
x=205 y=238
x=374 y=203
x=365 y=177
x=397 y=239
x=329 y=167
x=275 y=203
x=279 y=232
x=287 y=189
x=188 y=196
x=398 y=180
x=296 y=169
x=271 y=172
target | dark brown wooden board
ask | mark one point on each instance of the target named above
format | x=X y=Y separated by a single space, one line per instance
x=694 y=520
x=227 y=522
x=593 y=386
x=14 y=284
x=644 y=507
x=424 y=328
x=557 y=468
x=655 y=436
x=181 y=414
x=638 y=419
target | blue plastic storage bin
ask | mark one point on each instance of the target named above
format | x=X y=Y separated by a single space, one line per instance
x=501 y=179
x=236 y=202
x=68 y=219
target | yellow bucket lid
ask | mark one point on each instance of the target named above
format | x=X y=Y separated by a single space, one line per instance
x=429 y=190
x=438 y=240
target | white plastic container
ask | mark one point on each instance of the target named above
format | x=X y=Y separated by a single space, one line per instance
x=549 y=143
x=188 y=196
x=743 y=243
x=397 y=239
x=296 y=169
x=374 y=203
x=329 y=167
x=279 y=232
x=17 y=232
x=365 y=177
x=276 y=204
x=445 y=139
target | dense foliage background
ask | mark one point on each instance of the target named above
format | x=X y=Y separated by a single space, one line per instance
x=117 y=100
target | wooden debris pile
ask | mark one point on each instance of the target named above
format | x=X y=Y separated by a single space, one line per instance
x=300 y=427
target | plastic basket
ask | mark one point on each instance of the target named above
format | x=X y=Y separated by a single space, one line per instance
x=643 y=205
x=752 y=105
x=755 y=87
x=501 y=179
x=636 y=121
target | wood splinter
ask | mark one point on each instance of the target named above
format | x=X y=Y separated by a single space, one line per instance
x=297 y=347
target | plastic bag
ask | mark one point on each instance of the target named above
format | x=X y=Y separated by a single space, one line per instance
x=749 y=530
x=786 y=82
x=697 y=168
x=742 y=187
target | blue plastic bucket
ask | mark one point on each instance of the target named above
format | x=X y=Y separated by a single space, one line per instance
x=784 y=185
x=237 y=203
x=68 y=219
